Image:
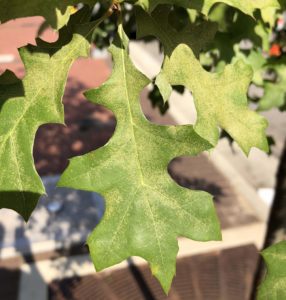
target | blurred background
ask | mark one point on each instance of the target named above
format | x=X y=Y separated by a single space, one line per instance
x=47 y=258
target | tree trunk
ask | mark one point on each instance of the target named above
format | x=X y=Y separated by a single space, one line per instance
x=276 y=230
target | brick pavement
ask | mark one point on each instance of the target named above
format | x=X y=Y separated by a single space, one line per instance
x=223 y=275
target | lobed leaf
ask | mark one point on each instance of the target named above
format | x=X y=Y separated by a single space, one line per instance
x=27 y=104
x=196 y=36
x=225 y=106
x=146 y=211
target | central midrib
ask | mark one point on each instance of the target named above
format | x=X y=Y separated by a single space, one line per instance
x=137 y=156
x=131 y=119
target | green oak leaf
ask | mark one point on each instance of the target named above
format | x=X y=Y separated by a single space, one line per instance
x=194 y=77
x=146 y=211
x=56 y=12
x=204 y=6
x=27 y=105
x=274 y=285
x=220 y=99
x=156 y=24
x=196 y=36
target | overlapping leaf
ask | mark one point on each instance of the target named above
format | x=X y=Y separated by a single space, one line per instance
x=196 y=36
x=145 y=209
x=28 y=104
x=56 y=12
x=274 y=285
x=156 y=24
x=226 y=106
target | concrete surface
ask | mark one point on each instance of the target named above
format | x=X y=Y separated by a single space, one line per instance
x=65 y=217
